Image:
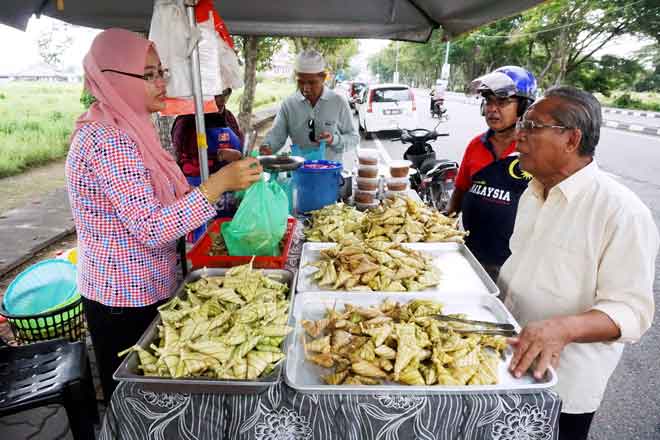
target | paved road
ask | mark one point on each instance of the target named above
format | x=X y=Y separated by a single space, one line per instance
x=631 y=409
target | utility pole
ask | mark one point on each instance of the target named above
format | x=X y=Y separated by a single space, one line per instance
x=396 y=65
x=445 y=67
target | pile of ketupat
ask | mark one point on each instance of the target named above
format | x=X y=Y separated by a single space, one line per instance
x=398 y=219
x=402 y=344
x=336 y=223
x=229 y=327
x=402 y=219
x=374 y=266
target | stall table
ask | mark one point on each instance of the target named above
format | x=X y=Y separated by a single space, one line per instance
x=283 y=413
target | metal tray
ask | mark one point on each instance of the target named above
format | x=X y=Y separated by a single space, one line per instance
x=461 y=272
x=128 y=371
x=304 y=376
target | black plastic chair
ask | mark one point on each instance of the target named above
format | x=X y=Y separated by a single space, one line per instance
x=45 y=373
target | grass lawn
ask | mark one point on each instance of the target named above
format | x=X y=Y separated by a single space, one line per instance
x=632 y=100
x=36 y=119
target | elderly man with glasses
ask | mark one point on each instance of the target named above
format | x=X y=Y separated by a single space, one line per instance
x=580 y=276
x=313 y=114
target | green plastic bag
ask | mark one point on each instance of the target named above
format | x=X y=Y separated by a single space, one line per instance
x=260 y=222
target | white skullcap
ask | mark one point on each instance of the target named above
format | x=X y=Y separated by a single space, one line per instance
x=310 y=61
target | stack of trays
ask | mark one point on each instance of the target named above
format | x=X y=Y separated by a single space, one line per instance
x=465 y=288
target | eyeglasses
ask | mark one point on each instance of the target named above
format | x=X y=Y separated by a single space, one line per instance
x=151 y=77
x=527 y=125
x=312 y=134
x=497 y=101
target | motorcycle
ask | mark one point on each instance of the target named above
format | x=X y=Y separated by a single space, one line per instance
x=438 y=108
x=433 y=179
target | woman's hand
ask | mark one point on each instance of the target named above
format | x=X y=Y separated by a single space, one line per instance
x=233 y=177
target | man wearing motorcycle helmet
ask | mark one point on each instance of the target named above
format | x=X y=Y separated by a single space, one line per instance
x=490 y=181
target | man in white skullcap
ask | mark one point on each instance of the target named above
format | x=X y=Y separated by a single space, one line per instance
x=313 y=114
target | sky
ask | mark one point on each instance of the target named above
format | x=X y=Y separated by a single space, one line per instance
x=19 y=49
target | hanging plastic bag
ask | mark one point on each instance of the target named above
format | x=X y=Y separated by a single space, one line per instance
x=209 y=61
x=231 y=73
x=202 y=11
x=260 y=222
x=171 y=33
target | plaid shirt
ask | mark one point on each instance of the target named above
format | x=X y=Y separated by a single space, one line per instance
x=126 y=238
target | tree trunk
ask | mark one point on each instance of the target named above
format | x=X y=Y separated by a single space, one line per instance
x=562 y=49
x=250 y=51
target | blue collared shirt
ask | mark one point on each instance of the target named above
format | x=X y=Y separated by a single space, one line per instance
x=331 y=113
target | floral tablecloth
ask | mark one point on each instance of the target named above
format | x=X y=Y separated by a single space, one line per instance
x=281 y=413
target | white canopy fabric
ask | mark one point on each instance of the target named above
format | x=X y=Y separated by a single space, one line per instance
x=409 y=20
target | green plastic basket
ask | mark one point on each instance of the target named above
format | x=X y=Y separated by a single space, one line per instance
x=64 y=321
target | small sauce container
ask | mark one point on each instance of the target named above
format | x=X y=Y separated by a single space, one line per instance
x=395 y=194
x=397 y=183
x=400 y=168
x=365 y=196
x=368 y=171
x=365 y=206
x=367 y=157
x=367 y=183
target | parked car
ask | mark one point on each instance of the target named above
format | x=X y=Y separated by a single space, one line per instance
x=386 y=107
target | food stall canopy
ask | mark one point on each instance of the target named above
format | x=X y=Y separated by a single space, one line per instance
x=408 y=20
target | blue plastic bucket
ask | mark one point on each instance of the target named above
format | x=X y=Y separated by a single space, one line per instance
x=41 y=287
x=317 y=187
x=309 y=153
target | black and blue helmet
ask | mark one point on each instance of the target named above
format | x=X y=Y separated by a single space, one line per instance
x=508 y=81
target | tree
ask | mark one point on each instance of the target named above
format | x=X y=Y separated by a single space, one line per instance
x=257 y=53
x=570 y=32
x=607 y=74
x=650 y=80
x=53 y=40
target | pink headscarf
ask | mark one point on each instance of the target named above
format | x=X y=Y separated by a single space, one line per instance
x=120 y=101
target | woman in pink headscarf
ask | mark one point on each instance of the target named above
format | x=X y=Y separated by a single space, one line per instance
x=129 y=200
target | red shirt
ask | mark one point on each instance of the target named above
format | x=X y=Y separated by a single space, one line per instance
x=477 y=156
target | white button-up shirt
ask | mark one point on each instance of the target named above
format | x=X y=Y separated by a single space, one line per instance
x=591 y=245
x=331 y=113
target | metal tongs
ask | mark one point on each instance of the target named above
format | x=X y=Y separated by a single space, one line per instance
x=480 y=327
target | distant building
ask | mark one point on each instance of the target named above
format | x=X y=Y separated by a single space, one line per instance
x=41 y=72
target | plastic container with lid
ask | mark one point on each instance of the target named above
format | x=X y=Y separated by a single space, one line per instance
x=365 y=206
x=394 y=194
x=367 y=183
x=368 y=171
x=365 y=196
x=397 y=183
x=367 y=157
x=400 y=168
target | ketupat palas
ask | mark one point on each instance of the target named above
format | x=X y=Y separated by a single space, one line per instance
x=374 y=266
x=401 y=343
x=227 y=327
x=399 y=219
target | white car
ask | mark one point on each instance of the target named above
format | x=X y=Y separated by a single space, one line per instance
x=386 y=107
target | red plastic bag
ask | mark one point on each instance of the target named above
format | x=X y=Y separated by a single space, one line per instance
x=202 y=14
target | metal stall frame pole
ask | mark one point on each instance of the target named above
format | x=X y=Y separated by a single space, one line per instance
x=202 y=145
